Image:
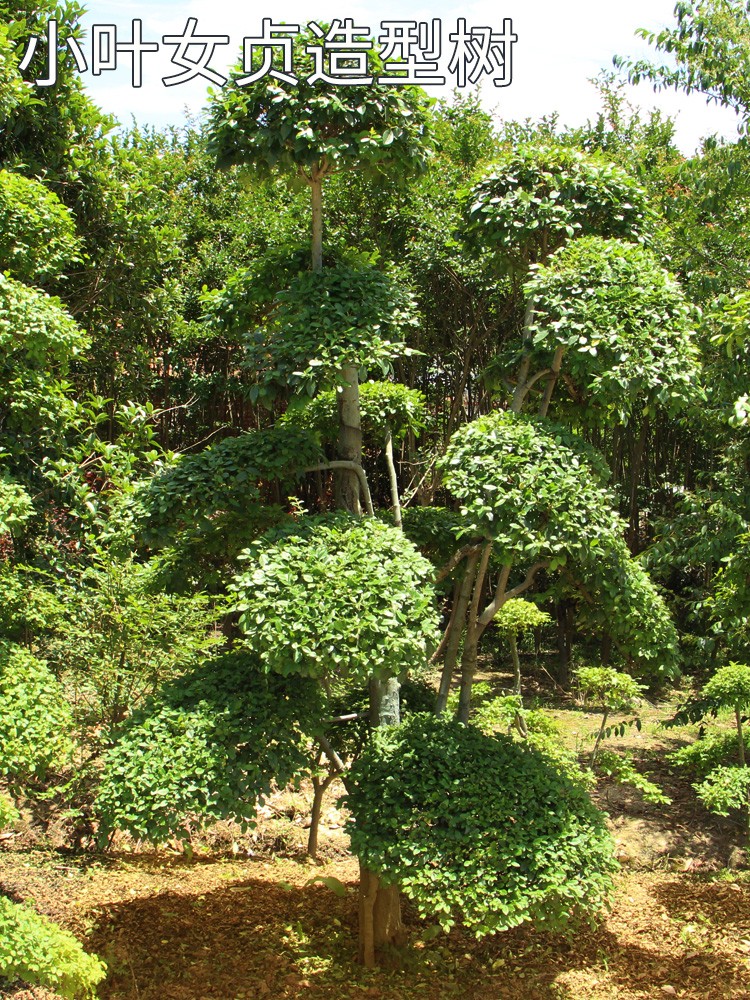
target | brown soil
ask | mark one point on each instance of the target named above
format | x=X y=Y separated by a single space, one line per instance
x=230 y=926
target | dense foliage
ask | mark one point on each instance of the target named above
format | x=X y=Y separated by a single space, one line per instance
x=478 y=829
x=335 y=598
x=36 y=950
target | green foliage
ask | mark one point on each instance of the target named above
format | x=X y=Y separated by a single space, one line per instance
x=537 y=197
x=624 y=324
x=221 y=488
x=710 y=48
x=434 y=531
x=467 y=844
x=621 y=768
x=607 y=688
x=518 y=615
x=37 y=233
x=36 y=950
x=116 y=640
x=325 y=321
x=383 y=406
x=35 y=718
x=530 y=486
x=336 y=597
x=35 y=331
x=16 y=506
x=623 y=601
x=464 y=131
x=38 y=340
x=710 y=751
x=725 y=788
x=9 y=815
x=207 y=747
x=535 y=489
x=730 y=602
x=13 y=90
x=271 y=125
x=533 y=727
x=545 y=736
x=729 y=687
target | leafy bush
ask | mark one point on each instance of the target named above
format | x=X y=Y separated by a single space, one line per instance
x=207 y=746
x=116 y=640
x=15 y=505
x=35 y=718
x=537 y=492
x=9 y=815
x=724 y=786
x=37 y=232
x=336 y=597
x=36 y=950
x=383 y=406
x=477 y=829
x=710 y=751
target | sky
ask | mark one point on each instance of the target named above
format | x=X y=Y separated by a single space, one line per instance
x=560 y=46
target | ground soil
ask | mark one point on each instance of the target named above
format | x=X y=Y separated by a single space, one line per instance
x=249 y=918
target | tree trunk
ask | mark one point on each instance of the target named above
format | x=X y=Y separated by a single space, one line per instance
x=468 y=670
x=516 y=664
x=379 y=905
x=316 y=189
x=349 y=444
x=319 y=789
x=395 y=500
x=473 y=633
x=563 y=642
x=380 y=922
x=385 y=709
x=457 y=629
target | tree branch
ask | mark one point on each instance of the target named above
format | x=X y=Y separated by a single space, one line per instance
x=340 y=464
x=456 y=558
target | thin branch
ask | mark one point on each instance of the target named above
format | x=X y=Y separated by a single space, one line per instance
x=456 y=558
x=332 y=756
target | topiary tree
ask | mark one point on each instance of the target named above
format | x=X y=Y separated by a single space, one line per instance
x=515 y=617
x=532 y=496
x=609 y=690
x=310 y=128
x=343 y=600
x=476 y=829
